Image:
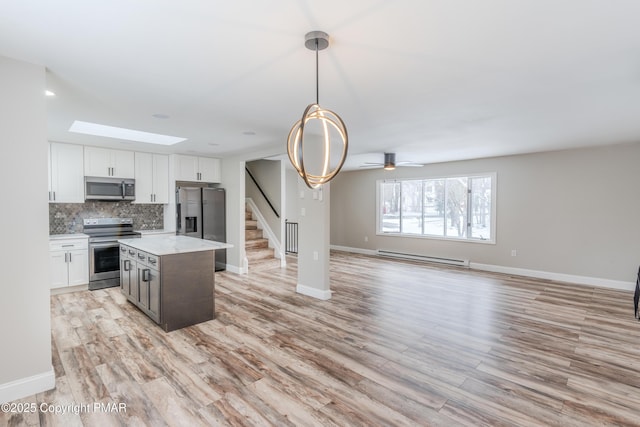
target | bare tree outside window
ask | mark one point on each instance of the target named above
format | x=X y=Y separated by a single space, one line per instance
x=453 y=207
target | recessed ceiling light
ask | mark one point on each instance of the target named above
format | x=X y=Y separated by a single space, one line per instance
x=213 y=144
x=248 y=132
x=160 y=116
x=49 y=93
x=123 y=133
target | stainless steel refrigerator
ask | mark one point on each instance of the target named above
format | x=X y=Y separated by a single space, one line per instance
x=200 y=212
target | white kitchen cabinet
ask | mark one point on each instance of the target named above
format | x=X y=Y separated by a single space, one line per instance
x=200 y=169
x=209 y=169
x=152 y=178
x=69 y=262
x=104 y=162
x=66 y=173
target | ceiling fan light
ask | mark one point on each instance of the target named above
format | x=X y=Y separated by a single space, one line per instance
x=389 y=161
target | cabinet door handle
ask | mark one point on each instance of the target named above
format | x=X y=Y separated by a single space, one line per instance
x=54 y=195
x=66 y=257
x=70 y=257
x=146 y=275
x=127 y=265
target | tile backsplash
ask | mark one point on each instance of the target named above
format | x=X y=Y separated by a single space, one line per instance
x=67 y=217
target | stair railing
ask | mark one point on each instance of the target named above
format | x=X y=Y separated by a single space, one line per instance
x=262 y=192
x=291 y=237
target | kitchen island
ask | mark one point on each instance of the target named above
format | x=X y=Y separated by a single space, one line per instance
x=170 y=278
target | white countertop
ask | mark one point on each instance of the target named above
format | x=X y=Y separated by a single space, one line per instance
x=68 y=236
x=168 y=245
x=154 y=232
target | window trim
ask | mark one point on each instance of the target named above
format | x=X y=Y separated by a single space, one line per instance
x=491 y=240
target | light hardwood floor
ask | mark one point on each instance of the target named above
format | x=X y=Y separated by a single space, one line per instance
x=399 y=343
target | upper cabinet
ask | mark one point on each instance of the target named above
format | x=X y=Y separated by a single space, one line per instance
x=66 y=175
x=201 y=169
x=104 y=162
x=152 y=178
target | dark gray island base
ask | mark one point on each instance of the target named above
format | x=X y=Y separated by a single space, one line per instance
x=171 y=279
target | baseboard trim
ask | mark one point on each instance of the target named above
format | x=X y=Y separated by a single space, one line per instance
x=354 y=250
x=538 y=274
x=313 y=292
x=558 y=277
x=27 y=386
x=236 y=270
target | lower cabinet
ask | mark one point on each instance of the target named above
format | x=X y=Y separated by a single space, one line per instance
x=140 y=280
x=129 y=273
x=150 y=292
x=69 y=262
x=174 y=290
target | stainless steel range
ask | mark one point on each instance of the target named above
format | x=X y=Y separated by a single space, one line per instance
x=104 y=249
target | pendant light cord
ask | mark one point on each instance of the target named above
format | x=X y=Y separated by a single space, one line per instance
x=317 y=84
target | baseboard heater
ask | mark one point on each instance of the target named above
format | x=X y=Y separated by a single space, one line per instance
x=425 y=258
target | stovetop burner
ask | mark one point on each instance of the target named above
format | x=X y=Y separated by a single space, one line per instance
x=103 y=229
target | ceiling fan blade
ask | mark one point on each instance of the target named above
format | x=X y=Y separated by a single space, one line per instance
x=371 y=166
x=409 y=164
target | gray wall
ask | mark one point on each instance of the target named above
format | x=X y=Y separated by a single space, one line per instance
x=314 y=241
x=574 y=212
x=293 y=195
x=24 y=307
x=233 y=182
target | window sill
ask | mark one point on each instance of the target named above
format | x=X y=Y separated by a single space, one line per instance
x=444 y=239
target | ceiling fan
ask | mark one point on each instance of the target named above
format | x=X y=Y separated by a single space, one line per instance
x=390 y=163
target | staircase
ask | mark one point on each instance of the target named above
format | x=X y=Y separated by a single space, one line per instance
x=259 y=254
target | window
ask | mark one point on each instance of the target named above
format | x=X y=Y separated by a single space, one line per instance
x=460 y=208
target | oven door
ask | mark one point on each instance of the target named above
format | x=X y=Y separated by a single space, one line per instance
x=104 y=260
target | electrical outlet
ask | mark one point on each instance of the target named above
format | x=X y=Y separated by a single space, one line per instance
x=366 y=238
x=315 y=255
x=303 y=212
x=514 y=252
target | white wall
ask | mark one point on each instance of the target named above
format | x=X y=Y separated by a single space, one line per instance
x=573 y=213
x=25 y=366
x=268 y=175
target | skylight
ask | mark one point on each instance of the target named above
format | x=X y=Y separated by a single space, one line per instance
x=123 y=133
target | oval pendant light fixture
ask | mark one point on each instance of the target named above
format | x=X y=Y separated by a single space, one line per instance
x=330 y=124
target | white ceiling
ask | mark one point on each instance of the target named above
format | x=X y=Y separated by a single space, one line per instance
x=430 y=80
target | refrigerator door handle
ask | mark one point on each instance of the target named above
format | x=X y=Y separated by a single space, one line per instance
x=179 y=218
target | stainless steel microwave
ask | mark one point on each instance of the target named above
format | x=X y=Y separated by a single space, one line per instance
x=96 y=188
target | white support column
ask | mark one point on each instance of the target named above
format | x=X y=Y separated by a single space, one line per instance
x=313 y=241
